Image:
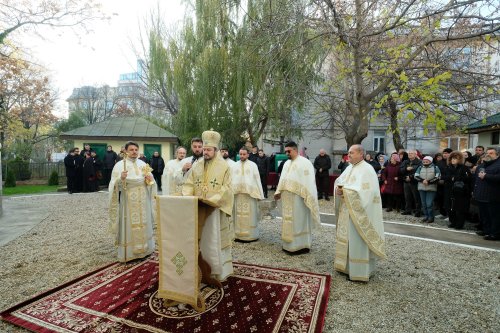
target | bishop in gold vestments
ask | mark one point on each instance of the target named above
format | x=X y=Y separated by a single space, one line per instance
x=210 y=180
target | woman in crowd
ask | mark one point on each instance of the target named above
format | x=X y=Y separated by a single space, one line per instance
x=393 y=184
x=458 y=190
x=427 y=176
x=372 y=162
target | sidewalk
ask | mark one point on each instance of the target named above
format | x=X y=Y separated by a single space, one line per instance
x=428 y=232
x=19 y=216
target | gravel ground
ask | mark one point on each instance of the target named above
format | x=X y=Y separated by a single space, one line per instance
x=421 y=287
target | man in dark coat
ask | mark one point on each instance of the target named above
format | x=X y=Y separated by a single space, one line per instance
x=262 y=162
x=110 y=159
x=487 y=194
x=254 y=154
x=157 y=164
x=70 y=164
x=410 y=185
x=89 y=174
x=86 y=150
x=79 y=159
x=323 y=164
x=440 y=195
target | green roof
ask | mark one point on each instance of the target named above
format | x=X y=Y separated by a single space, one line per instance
x=122 y=127
x=491 y=122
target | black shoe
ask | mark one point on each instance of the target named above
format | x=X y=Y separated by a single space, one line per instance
x=319 y=198
x=430 y=220
x=294 y=253
x=418 y=214
x=388 y=210
x=491 y=237
x=424 y=220
x=480 y=233
x=327 y=198
x=406 y=213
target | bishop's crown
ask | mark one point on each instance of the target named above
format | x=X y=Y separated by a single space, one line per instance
x=210 y=138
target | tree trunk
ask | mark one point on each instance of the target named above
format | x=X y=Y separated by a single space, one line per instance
x=393 y=112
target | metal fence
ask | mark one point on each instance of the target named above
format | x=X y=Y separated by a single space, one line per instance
x=33 y=170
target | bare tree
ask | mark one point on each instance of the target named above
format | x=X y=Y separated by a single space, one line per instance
x=26 y=15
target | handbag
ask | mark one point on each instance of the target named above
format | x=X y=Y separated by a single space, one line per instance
x=458 y=186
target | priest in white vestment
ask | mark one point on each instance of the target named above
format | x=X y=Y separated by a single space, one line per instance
x=248 y=192
x=173 y=174
x=360 y=230
x=131 y=192
x=224 y=152
x=210 y=180
x=299 y=207
x=188 y=162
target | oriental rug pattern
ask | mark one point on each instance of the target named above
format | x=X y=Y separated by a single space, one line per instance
x=122 y=298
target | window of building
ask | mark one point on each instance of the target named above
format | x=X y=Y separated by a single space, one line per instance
x=379 y=141
x=495 y=138
x=454 y=142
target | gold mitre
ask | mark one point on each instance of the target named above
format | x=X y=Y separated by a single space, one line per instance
x=210 y=138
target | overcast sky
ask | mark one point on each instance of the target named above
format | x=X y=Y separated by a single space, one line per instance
x=100 y=56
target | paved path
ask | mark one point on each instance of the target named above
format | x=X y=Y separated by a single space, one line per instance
x=428 y=232
x=19 y=217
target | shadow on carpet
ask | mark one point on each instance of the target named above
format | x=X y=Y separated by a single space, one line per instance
x=122 y=298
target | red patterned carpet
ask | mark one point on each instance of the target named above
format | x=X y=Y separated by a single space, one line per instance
x=122 y=298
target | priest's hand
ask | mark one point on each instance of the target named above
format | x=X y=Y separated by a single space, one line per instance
x=277 y=196
x=124 y=175
x=186 y=167
x=148 y=179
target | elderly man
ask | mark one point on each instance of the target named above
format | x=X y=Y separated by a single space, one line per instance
x=247 y=193
x=322 y=164
x=299 y=208
x=487 y=194
x=412 y=197
x=173 y=173
x=131 y=191
x=360 y=231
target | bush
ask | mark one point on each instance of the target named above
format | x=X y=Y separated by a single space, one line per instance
x=20 y=167
x=54 y=178
x=10 y=180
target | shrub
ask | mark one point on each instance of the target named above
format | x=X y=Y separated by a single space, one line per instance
x=10 y=180
x=54 y=178
x=20 y=167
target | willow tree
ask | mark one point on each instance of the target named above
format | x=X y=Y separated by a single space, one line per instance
x=376 y=55
x=237 y=70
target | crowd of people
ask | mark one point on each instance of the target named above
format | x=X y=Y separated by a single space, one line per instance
x=458 y=185
x=86 y=171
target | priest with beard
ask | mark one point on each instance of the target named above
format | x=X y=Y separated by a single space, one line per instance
x=209 y=179
x=131 y=191
x=172 y=174
x=248 y=192
x=360 y=230
x=300 y=210
x=224 y=152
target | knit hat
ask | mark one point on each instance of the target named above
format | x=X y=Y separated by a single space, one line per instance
x=428 y=158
